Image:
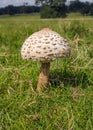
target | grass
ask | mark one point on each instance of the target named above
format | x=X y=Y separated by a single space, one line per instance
x=77 y=16
x=68 y=103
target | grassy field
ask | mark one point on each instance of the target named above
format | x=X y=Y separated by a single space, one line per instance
x=68 y=103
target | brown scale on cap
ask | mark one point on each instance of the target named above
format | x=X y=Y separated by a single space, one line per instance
x=45 y=46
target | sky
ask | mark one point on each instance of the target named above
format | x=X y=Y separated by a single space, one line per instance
x=4 y=3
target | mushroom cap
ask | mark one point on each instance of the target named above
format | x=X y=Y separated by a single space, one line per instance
x=45 y=45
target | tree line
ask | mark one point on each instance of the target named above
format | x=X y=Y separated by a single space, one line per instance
x=24 y=9
x=59 y=8
x=50 y=8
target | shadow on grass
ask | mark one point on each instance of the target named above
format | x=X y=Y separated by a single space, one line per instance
x=70 y=78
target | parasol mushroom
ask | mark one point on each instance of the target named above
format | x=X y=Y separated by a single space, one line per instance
x=44 y=46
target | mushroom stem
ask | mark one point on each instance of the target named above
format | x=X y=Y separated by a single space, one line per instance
x=44 y=76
